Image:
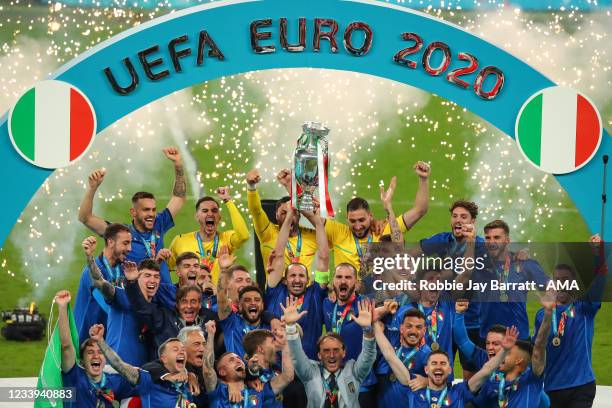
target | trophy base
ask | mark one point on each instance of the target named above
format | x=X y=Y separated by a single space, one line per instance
x=305 y=202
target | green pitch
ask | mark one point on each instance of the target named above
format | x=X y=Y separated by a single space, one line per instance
x=457 y=149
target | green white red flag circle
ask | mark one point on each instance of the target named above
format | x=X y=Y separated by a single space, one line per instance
x=52 y=124
x=558 y=130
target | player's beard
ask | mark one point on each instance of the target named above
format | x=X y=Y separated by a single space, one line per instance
x=141 y=224
x=348 y=293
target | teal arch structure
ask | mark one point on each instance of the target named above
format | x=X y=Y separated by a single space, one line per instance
x=227 y=22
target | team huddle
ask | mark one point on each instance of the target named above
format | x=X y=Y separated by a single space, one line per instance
x=314 y=336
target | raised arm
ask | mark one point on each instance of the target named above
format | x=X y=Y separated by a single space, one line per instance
x=301 y=363
x=241 y=231
x=130 y=373
x=460 y=335
x=179 y=191
x=62 y=299
x=208 y=366
x=367 y=357
x=86 y=215
x=284 y=179
x=280 y=382
x=386 y=196
x=469 y=233
x=261 y=222
x=598 y=284
x=388 y=352
x=105 y=287
x=421 y=201
x=224 y=307
x=538 y=358
x=490 y=366
x=277 y=262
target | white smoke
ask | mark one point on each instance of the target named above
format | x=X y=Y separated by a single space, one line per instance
x=571 y=48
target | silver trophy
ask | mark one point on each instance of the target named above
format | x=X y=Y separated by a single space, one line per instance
x=310 y=156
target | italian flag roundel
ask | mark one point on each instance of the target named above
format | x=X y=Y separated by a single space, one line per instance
x=558 y=130
x=52 y=124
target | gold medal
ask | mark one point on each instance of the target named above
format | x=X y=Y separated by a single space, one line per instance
x=434 y=405
x=392 y=377
x=192 y=405
x=556 y=341
x=503 y=297
x=435 y=346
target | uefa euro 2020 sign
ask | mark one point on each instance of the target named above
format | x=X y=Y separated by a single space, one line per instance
x=52 y=124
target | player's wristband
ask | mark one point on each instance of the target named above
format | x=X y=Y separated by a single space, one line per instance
x=291 y=329
x=368 y=330
x=322 y=277
x=251 y=187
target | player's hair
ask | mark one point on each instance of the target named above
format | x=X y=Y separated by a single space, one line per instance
x=230 y=271
x=149 y=264
x=86 y=343
x=497 y=328
x=186 y=255
x=206 y=198
x=565 y=267
x=187 y=330
x=433 y=353
x=184 y=290
x=414 y=313
x=221 y=358
x=249 y=289
x=357 y=203
x=525 y=346
x=328 y=335
x=141 y=195
x=254 y=339
x=497 y=224
x=112 y=230
x=346 y=265
x=280 y=202
x=162 y=347
x=468 y=205
x=298 y=264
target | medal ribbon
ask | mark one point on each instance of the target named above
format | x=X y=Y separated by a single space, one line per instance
x=205 y=257
x=331 y=394
x=300 y=302
x=337 y=323
x=432 y=327
x=102 y=390
x=359 y=251
x=181 y=389
x=502 y=396
x=559 y=328
x=456 y=248
x=150 y=244
x=441 y=400
x=266 y=375
x=407 y=360
x=115 y=273
x=298 y=248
